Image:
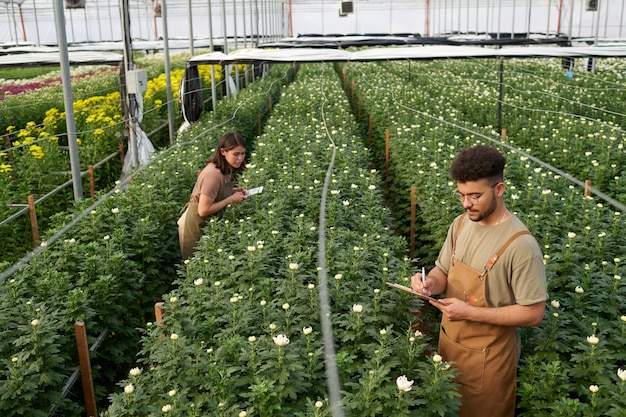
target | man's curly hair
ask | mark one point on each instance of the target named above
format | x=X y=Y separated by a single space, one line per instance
x=478 y=162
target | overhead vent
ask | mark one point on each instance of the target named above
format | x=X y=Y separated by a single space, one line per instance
x=75 y=4
x=346 y=8
x=591 y=5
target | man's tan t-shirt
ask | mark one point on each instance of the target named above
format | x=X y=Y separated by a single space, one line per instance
x=518 y=277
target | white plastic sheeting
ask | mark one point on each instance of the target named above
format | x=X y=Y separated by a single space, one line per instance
x=39 y=59
x=402 y=53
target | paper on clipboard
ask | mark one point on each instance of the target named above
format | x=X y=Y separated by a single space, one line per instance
x=253 y=191
x=410 y=290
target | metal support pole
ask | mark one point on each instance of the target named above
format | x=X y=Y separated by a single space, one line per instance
x=168 y=82
x=597 y=23
x=130 y=98
x=68 y=99
x=225 y=68
x=212 y=49
x=190 y=24
x=501 y=95
x=236 y=45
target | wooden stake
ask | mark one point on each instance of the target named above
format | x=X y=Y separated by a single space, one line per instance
x=85 y=369
x=159 y=311
x=387 y=159
x=352 y=92
x=504 y=134
x=33 y=220
x=369 y=130
x=412 y=233
x=92 y=185
x=587 y=185
x=120 y=146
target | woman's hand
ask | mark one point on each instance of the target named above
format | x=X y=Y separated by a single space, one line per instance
x=238 y=195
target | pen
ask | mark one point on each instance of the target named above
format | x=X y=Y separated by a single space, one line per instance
x=423 y=276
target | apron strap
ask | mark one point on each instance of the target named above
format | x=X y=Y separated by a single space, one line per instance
x=500 y=251
x=456 y=232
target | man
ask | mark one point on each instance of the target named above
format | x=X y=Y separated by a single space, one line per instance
x=491 y=270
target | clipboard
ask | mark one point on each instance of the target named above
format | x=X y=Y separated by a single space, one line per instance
x=410 y=290
x=254 y=191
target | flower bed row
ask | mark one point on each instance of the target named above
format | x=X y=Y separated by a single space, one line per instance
x=241 y=333
x=106 y=272
x=41 y=163
x=570 y=362
x=575 y=123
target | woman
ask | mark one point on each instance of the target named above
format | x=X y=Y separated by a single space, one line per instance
x=213 y=191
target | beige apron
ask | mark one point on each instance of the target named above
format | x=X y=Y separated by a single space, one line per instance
x=190 y=223
x=485 y=355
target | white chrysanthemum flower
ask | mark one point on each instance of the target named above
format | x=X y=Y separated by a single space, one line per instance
x=437 y=358
x=281 y=340
x=307 y=330
x=286 y=306
x=571 y=235
x=167 y=408
x=135 y=372
x=621 y=373
x=171 y=393
x=555 y=303
x=404 y=384
x=319 y=404
x=594 y=388
x=593 y=340
x=294 y=266
x=174 y=336
x=357 y=308
x=579 y=289
x=35 y=322
x=198 y=282
x=129 y=389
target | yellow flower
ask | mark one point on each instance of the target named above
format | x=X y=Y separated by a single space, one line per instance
x=6 y=168
x=10 y=129
x=98 y=132
x=36 y=151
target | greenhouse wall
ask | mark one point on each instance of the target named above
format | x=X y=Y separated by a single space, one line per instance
x=32 y=23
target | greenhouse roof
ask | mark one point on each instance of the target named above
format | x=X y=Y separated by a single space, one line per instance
x=402 y=53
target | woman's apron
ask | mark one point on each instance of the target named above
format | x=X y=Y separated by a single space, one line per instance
x=190 y=223
x=485 y=355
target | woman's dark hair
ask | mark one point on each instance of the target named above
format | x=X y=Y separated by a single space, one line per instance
x=478 y=162
x=227 y=142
